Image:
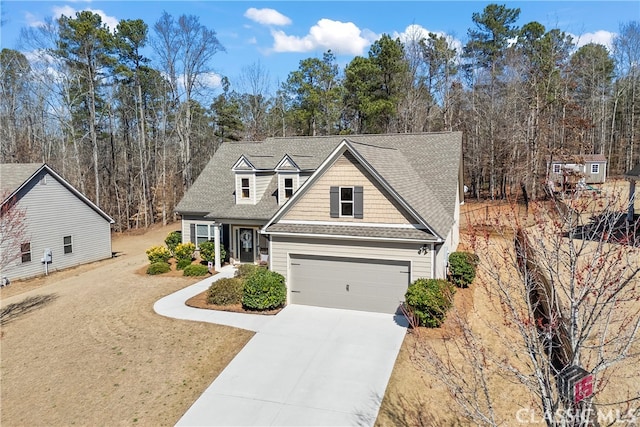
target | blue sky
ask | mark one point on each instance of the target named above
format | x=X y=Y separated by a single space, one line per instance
x=278 y=35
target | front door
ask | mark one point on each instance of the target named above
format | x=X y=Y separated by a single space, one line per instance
x=246 y=245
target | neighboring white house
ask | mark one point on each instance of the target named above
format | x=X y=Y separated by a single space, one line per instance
x=349 y=221
x=62 y=225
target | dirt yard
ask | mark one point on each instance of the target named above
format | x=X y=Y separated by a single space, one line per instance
x=88 y=349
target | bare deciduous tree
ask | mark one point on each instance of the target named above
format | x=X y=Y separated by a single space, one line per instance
x=564 y=283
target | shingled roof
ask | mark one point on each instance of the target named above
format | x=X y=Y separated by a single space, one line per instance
x=422 y=169
x=14 y=176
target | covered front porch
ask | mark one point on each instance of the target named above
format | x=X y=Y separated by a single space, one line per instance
x=241 y=239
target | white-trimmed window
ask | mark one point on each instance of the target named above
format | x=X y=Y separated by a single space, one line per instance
x=346 y=201
x=245 y=188
x=204 y=233
x=556 y=168
x=25 y=251
x=288 y=188
x=595 y=168
x=67 y=244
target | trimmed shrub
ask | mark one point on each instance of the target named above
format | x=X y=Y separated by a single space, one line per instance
x=158 y=268
x=173 y=239
x=158 y=254
x=184 y=251
x=245 y=270
x=264 y=290
x=195 y=270
x=225 y=291
x=182 y=264
x=429 y=300
x=462 y=268
x=208 y=251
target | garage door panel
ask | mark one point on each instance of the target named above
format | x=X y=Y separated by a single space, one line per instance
x=350 y=283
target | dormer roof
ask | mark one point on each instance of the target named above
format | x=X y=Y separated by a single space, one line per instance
x=287 y=165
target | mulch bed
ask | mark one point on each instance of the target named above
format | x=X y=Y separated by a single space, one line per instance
x=200 y=301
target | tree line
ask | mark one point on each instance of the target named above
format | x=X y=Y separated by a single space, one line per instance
x=133 y=133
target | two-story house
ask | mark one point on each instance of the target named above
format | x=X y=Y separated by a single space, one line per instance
x=349 y=221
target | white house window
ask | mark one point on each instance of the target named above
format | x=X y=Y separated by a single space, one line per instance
x=346 y=201
x=288 y=187
x=204 y=233
x=556 y=168
x=595 y=168
x=67 y=245
x=245 y=188
x=25 y=250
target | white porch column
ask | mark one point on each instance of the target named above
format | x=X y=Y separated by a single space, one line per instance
x=216 y=237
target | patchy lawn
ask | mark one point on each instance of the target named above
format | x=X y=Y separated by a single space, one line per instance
x=83 y=346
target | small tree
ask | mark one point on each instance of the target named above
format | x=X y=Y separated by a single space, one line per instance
x=564 y=285
x=208 y=251
x=13 y=230
x=172 y=240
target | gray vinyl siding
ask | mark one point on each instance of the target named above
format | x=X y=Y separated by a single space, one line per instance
x=53 y=212
x=282 y=246
x=596 y=178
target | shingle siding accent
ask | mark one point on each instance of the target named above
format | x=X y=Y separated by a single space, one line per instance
x=378 y=205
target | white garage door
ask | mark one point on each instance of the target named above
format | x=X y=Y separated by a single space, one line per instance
x=350 y=283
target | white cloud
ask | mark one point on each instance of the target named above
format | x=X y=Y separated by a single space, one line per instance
x=109 y=21
x=415 y=30
x=267 y=16
x=211 y=80
x=343 y=38
x=33 y=21
x=599 y=37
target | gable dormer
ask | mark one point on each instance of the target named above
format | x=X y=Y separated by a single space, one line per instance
x=245 y=178
x=288 y=178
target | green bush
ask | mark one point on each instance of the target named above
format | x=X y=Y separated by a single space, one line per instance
x=462 y=268
x=183 y=263
x=245 y=270
x=158 y=268
x=158 y=254
x=184 y=251
x=208 y=252
x=225 y=291
x=264 y=290
x=195 y=270
x=429 y=300
x=173 y=239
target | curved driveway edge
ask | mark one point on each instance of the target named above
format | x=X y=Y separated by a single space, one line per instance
x=305 y=366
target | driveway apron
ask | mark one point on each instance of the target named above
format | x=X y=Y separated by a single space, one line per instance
x=307 y=366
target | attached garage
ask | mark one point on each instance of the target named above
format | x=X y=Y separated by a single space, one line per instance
x=350 y=283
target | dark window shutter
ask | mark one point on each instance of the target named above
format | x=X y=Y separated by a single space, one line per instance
x=357 y=202
x=192 y=233
x=334 y=200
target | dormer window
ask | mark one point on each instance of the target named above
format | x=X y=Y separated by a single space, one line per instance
x=246 y=193
x=288 y=187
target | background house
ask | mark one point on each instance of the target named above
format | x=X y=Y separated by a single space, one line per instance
x=61 y=224
x=570 y=170
x=349 y=221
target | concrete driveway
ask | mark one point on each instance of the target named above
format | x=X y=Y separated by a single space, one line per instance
x=306 y=366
